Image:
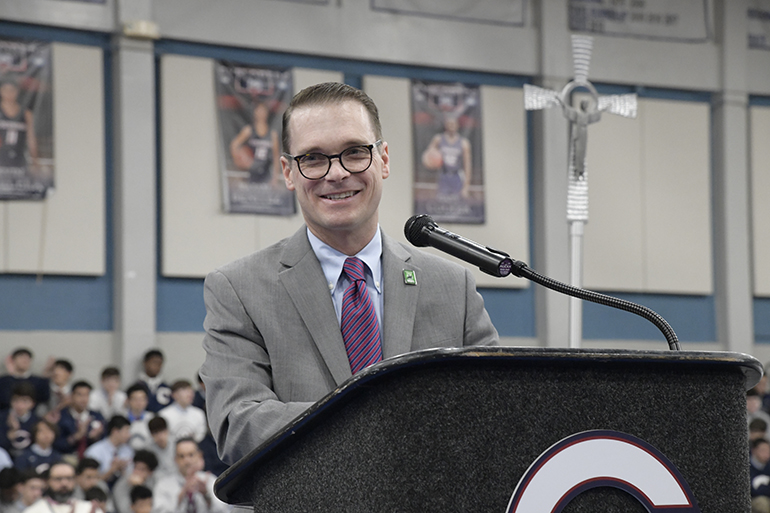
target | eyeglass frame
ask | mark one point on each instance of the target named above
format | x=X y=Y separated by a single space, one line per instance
x=337 y=156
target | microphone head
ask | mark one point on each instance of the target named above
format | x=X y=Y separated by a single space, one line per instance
x=417 y=228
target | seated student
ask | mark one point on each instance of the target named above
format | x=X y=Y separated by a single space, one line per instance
x=151 y=377
x=59 y=376
x=29 y=489
x=19 y=364
x=98 y=498
x=138 y=415
x=9 y=478
x=141 y=499
x=86 y=477
x=113 y=452
x=184 y=419
x=18 y=421
x=189 y=488
x=161 y=446
x=758 y=471
x=141 y=473
x=79 y=427
x=40 y=455
x=757 y=429
x=109 y=399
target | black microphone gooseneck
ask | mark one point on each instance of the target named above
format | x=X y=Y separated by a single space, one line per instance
x=421 y=231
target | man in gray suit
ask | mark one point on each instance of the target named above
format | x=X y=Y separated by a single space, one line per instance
x=273 y=340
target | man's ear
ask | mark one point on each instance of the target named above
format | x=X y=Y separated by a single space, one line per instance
x=385 y=160
x=286 y=168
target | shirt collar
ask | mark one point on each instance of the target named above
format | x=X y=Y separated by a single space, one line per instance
x=332 y=260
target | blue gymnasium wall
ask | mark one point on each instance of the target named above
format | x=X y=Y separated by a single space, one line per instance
x=85 y=303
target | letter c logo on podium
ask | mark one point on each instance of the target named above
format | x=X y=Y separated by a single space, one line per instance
x=594 y=459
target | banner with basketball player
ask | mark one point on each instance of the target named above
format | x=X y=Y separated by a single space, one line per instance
x=448 y=172
x=250 y=103
x=26 y=120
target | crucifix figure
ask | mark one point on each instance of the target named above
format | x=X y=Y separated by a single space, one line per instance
x=587 y=111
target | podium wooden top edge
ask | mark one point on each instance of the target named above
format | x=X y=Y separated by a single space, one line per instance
x=229 y=482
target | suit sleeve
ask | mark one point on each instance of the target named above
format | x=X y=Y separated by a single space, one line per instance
x=243 y=411
x=479 y=330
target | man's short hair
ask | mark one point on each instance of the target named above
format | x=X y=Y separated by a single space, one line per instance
x=146 y=457
x=324 y=94
x=95 y=494
x=137 y=387
x=81 y=384
x=9 y=477
x=47 y=473
x=185 y=439
x=152 y=353
x=157 y=424
x=64 y=364
x=85 y=464
x=27 y=474
x=110 y=372
x=21 y=351
x=140 y=492
x=53 y=427
x=117 y=422
x=179 y=384
x=24 y=389
x=757 y=425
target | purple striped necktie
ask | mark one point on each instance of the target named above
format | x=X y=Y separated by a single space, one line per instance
x=359 y=326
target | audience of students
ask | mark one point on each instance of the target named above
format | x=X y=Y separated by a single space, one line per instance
x=67 y=447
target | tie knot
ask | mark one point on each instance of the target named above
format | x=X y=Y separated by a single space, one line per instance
x=354 y=268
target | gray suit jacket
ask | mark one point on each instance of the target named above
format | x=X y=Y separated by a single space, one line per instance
x=273 y=343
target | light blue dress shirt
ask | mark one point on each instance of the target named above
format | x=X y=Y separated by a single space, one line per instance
x=332 y=262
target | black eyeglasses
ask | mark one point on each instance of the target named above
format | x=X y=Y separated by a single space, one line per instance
x=315 y=166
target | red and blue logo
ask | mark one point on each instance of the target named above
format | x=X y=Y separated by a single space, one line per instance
x=594 y=459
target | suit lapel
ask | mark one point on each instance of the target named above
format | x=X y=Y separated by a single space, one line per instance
x=400 y=299
x=305 y=284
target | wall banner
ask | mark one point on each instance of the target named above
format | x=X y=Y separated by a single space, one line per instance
x=759 y=24
x=250 y=102
x=26 y=120
x=448 y=173
x=672 y=20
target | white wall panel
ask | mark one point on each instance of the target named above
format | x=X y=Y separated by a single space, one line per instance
x=613 y=255
x=650 y=215
x=65 y=234
x=677 y=181
x=197 y=235
x=505 y=177
x=760 y=197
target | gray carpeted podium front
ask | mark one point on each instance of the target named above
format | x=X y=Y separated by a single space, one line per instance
x=456 y=429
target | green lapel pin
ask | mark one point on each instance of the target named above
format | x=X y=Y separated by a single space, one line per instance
x=410 y=278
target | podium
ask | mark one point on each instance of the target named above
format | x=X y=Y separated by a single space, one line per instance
x=457 y=429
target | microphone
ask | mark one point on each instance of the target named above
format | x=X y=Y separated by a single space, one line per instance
x=421 y=231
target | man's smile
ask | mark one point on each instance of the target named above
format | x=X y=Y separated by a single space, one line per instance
x=340 y=195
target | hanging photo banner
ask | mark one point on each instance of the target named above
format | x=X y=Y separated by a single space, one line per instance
x=26 y=120
x=673 y=20
x=448 y=173
x=250 y=103
x=501 y=12
x=759 y=24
